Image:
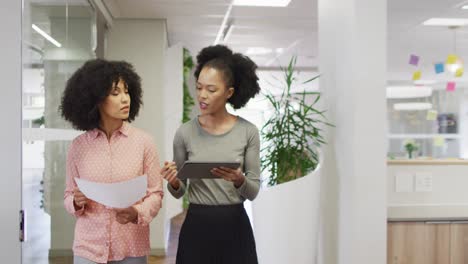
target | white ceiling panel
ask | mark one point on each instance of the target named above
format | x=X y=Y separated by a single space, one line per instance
x=196 y=24
x=294 y=29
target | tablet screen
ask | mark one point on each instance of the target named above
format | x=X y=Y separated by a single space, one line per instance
x=202 y=169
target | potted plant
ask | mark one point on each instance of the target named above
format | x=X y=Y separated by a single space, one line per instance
x=293 y=134
x=292 y=137
x=411 y=146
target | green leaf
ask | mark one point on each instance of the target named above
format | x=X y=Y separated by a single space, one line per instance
x=188 y=101
x=293 y=134
x=312 y=79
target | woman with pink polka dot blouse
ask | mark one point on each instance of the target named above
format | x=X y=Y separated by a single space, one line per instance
x=101 y=98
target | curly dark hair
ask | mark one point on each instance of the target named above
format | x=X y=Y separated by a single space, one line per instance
x=238 y=71
x=91 y=84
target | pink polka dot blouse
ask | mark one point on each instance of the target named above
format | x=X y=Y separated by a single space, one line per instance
x=129 y=153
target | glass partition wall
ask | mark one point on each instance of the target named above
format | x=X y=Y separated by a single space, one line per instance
x=58 y=36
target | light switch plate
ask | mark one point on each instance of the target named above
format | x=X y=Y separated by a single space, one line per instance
x=404 y=182
x=423 y=182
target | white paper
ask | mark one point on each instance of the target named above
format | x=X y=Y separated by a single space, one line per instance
x=116 y=195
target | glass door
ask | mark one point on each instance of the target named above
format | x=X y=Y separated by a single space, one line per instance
x=58 y=37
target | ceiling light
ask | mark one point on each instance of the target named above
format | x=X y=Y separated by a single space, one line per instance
x=398 y=92
x=221 y=32
x=465 y=7
x=228 y=33
x=272 y=3
x=258 y=51
x=46 y=36
x=412 y=106
x=446 y=22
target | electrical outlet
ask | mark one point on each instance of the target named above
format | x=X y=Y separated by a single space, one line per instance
x=423 y=182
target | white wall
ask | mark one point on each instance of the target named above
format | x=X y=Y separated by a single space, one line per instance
x=173 y=108
x=446 y=198
x=143 y=43
x=352 y=51
x=10 y=134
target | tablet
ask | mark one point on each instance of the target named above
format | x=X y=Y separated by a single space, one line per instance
x=202 y=169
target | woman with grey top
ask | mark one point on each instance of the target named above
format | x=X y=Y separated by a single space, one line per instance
x=217 y=229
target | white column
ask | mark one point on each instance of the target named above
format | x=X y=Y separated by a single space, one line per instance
x=352 y=50
x=10 y=132
x=143 y=43
x=173 y=104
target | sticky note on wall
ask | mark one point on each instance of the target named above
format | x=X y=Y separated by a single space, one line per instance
x=439 y=68
x=416 y=75
x=451 y=59
x=439 y=141
x=414 y=60
x=431 y=115
x=459 y=72
x=451 y=86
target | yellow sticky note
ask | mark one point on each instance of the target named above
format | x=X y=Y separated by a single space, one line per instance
x=451 y=59
x=416 y=75
x=431 y=115
x=439 y=141
x=459 y=72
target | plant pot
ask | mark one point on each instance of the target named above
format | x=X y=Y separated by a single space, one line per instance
x=409 y=155
x=286 y=221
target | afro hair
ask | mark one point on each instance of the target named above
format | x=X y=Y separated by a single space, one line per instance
x=238 y=71
x=91 y=84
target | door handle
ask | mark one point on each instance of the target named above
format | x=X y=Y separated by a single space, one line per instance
x=22 y=225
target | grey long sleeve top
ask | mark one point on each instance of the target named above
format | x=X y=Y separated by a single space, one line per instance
x=241 y=143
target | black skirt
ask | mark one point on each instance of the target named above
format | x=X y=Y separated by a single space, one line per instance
x=216 y=235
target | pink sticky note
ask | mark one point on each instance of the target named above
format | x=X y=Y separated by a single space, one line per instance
x=451 y=86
